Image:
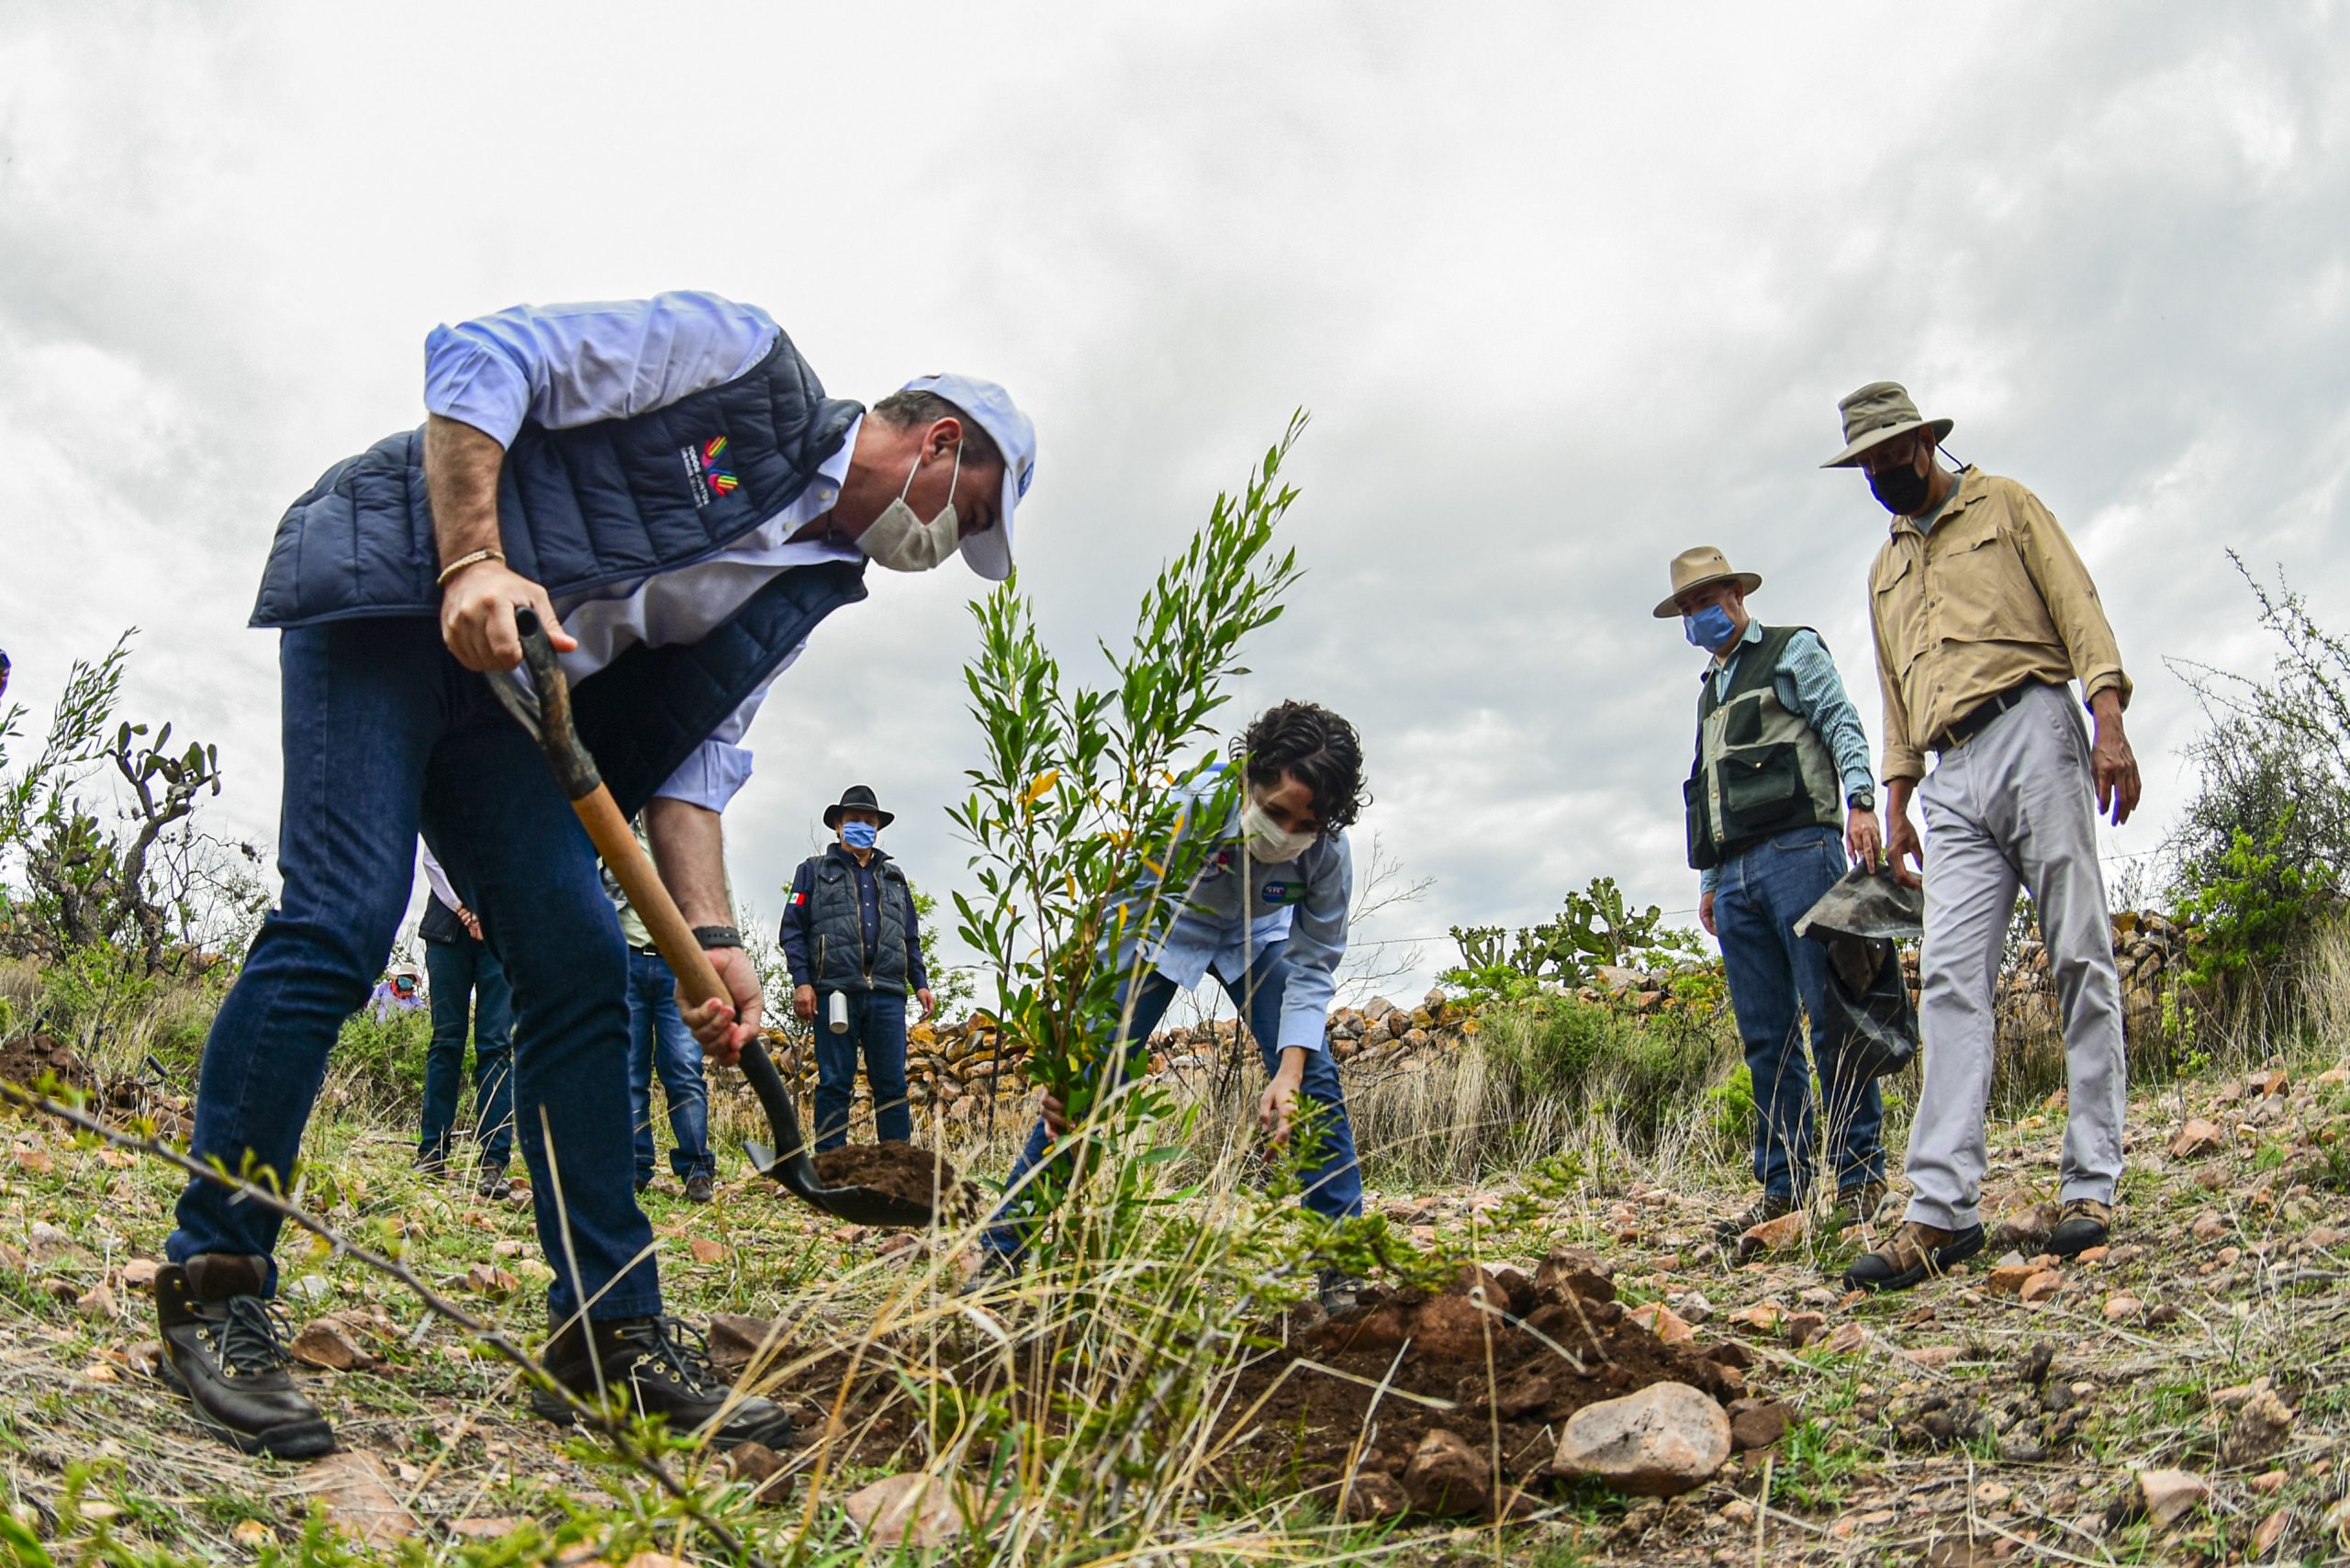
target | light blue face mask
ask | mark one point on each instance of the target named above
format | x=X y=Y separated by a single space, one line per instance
x=859 y=835
x=1710 y=629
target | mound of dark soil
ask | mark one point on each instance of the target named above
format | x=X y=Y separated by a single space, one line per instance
x=902 y=1171
x=31 y=1057
x=1333 y=1406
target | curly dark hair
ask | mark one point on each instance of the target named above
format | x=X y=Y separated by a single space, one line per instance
x=1320 y=749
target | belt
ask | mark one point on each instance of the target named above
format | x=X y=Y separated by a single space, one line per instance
x=1977 y=719
x=650 y=950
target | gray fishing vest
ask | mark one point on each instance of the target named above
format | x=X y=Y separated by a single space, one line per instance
x=1760 y=770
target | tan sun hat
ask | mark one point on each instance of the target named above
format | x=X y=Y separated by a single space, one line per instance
x=1695 y=568
x=1875 y=415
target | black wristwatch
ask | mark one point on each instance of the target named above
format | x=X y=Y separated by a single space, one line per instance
x=717 y=936
x=1861 y=800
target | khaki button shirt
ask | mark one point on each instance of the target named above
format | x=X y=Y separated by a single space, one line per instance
x=1994 y=594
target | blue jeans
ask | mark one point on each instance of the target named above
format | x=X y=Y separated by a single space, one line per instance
x=1332 y=1187
x=660 y=1040
x=386 y=734
x=877 y=1026
x=1763 y=892
x=469 y=994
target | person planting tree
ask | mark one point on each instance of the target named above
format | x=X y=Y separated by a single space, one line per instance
x=668 y=477
x=1267 y=915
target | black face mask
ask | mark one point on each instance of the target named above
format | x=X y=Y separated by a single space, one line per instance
x=1900 y=488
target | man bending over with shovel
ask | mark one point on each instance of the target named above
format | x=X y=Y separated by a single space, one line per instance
x=667 y=485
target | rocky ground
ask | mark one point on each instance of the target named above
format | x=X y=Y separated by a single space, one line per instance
x=2181 y=1397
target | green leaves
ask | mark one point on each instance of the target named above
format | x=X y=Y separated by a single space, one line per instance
x=1085 y=815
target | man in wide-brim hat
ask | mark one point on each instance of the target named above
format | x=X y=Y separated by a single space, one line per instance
x=1983 y=614
x=1781 y=759
x=850 y=929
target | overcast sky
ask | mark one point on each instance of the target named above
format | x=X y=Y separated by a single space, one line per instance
x=1566 y=290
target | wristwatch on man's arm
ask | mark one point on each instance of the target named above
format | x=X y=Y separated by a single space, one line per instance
x=1862 y=799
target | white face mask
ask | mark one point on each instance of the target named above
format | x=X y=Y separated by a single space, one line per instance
x=898 y=540
x=1264 y=838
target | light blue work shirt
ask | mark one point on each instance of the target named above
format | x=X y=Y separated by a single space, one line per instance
x=1807 y=685
x=1239 y=906
x=562 y=365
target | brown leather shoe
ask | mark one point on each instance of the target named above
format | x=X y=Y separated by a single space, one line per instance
x=1855 y=1205
x=224 y=1347
x=1910 y=1254
x=2082 y=1224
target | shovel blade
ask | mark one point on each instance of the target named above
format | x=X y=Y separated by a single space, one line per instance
x=858 y=1205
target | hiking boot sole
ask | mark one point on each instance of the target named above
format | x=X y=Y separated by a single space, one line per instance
x=296 y=1439
x=2090 y=1234
x=1961 y=1247
x=778 y=1433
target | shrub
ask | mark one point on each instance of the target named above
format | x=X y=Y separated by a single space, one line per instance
x=379 y=1062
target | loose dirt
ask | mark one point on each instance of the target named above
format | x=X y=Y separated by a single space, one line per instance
x=1499 y=1359
x=902 y=1171
x=30 y=1058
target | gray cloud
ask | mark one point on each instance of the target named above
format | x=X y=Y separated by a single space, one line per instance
x=1565 y=293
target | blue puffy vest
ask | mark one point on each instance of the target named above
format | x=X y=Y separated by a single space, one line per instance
x=587 y=507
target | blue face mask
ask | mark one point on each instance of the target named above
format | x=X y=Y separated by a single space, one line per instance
x=1710 y=629
x=859 y=835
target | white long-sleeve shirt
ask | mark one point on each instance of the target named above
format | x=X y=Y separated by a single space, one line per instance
x=576 y=365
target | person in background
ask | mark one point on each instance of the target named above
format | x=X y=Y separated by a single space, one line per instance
x=1267 y=915
x=659 y=1042
x=400 y=990
x=469 y=993
x=850 y=930
x=1983 y=614
x=1781 y=757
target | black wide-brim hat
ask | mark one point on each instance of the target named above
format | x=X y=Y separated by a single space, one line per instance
x=859 y=796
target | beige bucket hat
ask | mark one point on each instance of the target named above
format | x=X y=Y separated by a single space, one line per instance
x=1875 y=415
x=1695 y=568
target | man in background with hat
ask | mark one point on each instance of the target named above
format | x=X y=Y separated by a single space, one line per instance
x=667 y=484
x=1781 y=759
x=850 y=932
x=1983 y=613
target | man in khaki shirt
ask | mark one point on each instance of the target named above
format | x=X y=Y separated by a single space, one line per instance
x=1983 y=613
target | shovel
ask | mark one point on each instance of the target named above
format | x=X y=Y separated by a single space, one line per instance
x=548 y=719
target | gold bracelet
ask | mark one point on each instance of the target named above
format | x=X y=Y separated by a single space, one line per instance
x=461 y=561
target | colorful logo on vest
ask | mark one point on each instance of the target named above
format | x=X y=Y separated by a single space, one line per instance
x=1284 y=893
x=709 y=470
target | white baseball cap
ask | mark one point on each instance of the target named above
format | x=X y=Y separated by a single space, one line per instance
x=991 y=407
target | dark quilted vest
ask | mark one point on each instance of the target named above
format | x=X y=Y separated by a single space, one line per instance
x=583 y=507
x=836 y=932
x=576 y=508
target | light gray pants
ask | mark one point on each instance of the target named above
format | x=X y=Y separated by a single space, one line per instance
x=2014 y=806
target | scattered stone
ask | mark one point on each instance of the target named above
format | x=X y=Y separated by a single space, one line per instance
x=97 y=1304
x=2196 y=1138
x=2008 y=1279
x=1763 y=1317
x=327 y=1343
x=736 y=1337
x=1664 y=1439
x=146 y=1358
x=2229 y=1397
x=1774 y=1234
x=1693 y=1306
x=488 y=1278
x=492 y=1527
x=2262 y=1424
x=1664 y=1322
x=910 y=1510
x=1374 y=1495
x=1447 y=1477
x=2268 y=1481
x=48 y=1240
x=2170 y=1495
x=1991 y=1493
x=1931 y=1357
x=312 y=1288
x=1800 y=1327
x=1758 y=1423
x=2088 y=1256
x=2026 y=1228
x=708 y=1250
x=2042 y=1284
x=2121 y=1307
x=355 y=1489
x=2162 y=1316
x=2208 y=1226
x=139 y=1274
